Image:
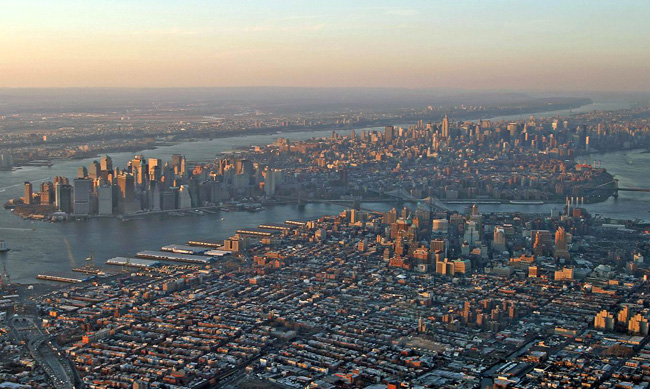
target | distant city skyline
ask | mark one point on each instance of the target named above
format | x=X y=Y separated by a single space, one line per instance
x=474 y=45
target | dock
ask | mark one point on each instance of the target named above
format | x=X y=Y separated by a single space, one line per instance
x=184 y=249
x=213 y=245
x=88 y=270
x=139 y=263
x=64 y=278
x=173 y=257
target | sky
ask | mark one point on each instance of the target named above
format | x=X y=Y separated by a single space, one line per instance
x=562 y=45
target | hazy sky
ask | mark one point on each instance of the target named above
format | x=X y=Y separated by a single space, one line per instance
x=487 y=44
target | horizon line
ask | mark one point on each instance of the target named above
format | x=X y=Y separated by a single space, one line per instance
x=442 y=89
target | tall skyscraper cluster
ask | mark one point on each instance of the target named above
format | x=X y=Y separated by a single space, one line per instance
x=151 y=185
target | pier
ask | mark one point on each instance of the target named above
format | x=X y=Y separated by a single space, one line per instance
x=64 y=278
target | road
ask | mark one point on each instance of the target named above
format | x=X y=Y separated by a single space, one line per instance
x=44 y=351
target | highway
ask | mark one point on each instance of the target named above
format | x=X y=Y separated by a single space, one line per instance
x=54 y=363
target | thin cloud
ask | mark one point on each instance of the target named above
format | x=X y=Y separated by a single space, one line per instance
x=402 y=12
x=169 y=32
x=281 y=28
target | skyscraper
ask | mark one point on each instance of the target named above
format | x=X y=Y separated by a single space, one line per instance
x=178 y=164
x=106 y=163
x=63 y=196
x=28 y=193
x=638 y=325
x=445 y=127
x=389 y=134
x=271 y=179
x=126 y=185
x=139 y=170
x=105 y=199
x=127 y=202
x=82 y=190
x=47 y=193
x=561 y=246
x=94 y=170
x=82 y=172
x=499 y=243
x=155 y=166
x=184 y=199
x=604 y=321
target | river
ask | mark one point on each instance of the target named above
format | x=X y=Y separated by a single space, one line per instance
x=41 y=247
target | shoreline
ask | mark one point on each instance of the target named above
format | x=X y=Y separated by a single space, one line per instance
x=217 y=209
x=193 y=138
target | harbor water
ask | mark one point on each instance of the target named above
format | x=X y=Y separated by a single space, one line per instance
x=41 y=247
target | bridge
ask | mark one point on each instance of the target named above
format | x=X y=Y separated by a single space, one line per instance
x=617 y=188
x=432 y=201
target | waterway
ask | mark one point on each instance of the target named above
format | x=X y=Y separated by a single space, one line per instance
x=41 y=247
x=595 y=106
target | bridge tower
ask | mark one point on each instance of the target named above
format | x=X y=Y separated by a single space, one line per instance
x=301 y=201
x=4 y=277
x=357 y=202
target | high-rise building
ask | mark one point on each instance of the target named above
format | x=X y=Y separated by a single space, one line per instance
x=389 y=134
x=542 y=241
x=139 y=170
x=561 y=246
x=499 y=243
x=94 y=170
x=155 y=169
x=462 y=266
x=472 y=235
x=184 y=198
x=105 y=199
x=272 y=178
x=168 y=199
x=82 y=172
x=63 y=196
x=437 y=245
x=6 y=161
x=604 y=321
x=623 y=315
x=638 y=325
x=155 y=202
x=178 y=164
x=390 y=217
x=47 y=193
x=565 y=274
x=440 y=226
x=82 y=192
x=126 y=185
x=444 y=126
x=27 y=199
x=106 y=163
x=127 y=201
x=244 y=166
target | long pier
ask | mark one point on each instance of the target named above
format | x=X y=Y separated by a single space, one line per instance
x=63 y=278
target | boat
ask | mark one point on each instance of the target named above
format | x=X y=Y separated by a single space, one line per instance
x=89 y=267
x=526 y=202
x=3 y=247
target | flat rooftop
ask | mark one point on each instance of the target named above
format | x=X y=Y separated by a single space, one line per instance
x=184 y=249
x=217 y=253
x=132 y=262
x=167 y=256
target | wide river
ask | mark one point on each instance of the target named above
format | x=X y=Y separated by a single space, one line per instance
x=41 y=247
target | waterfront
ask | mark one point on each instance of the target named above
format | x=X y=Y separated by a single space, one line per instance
x=39 y=247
